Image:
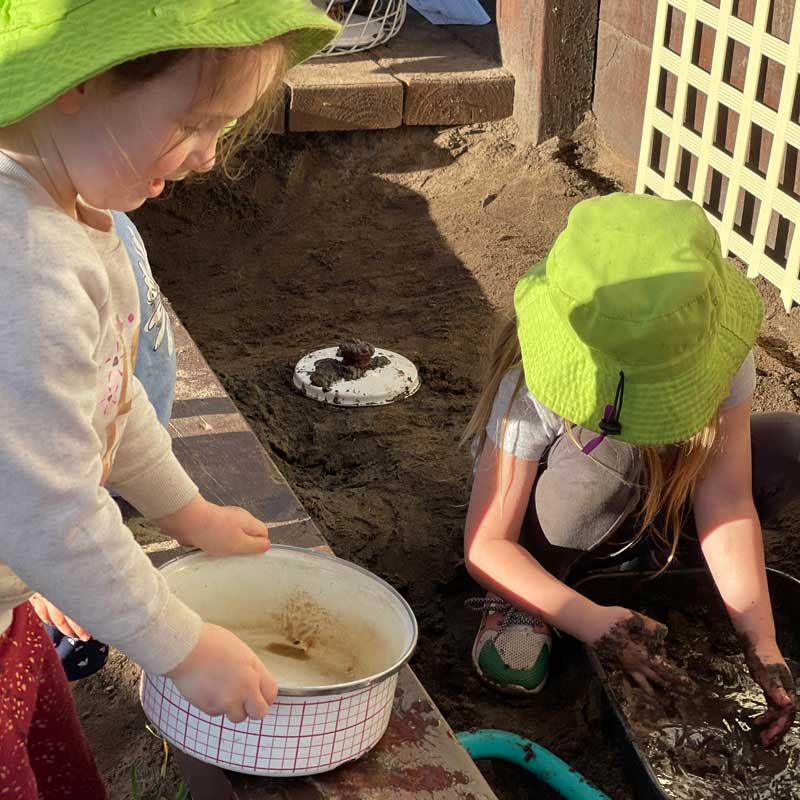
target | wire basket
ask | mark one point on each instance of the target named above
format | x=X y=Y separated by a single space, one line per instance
x=365 y=23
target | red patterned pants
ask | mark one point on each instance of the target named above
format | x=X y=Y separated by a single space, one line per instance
x=43 y=753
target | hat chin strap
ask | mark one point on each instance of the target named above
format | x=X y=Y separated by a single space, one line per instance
x=610 y=424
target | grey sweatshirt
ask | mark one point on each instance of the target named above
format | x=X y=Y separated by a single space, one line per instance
x=75 y=419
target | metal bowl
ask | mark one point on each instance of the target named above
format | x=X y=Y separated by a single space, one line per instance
x=334 y=636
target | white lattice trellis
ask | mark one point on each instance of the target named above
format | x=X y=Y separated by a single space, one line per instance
x=729 y=142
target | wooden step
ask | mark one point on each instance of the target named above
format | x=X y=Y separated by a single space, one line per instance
x=426 y=75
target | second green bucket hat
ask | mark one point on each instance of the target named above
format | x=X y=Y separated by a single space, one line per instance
x=49 y=46
x=635 y=319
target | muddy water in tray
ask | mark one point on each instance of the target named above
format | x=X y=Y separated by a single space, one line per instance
x=302 y=644
x=703 y=745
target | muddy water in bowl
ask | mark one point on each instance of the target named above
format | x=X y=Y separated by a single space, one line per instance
x=302 y=644
x=315 y=621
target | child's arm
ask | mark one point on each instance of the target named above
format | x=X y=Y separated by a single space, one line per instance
x=497 y=561
x=500 y=496
x=147 y=474
x=60 y=531
x=732 y=543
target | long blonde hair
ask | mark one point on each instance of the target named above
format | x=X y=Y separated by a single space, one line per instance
x=503 y=354
x=671 y=473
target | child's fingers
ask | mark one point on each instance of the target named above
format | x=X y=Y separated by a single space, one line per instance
x=671 y=676
x=50 y=615
x=255 y=527
x=256 y=707
x=641 y=681
x=781 y=697
x=247 y=544
x=775 y=721
x=269 y=687
x=653 y=678
x=67 y=626
x=61 y=624
x=773 y=724
x=767 y=718
x=77 y=631
x=42 y=609
x=258 y=533
x=237 y=713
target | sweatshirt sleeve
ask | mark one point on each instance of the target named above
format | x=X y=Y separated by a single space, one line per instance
x=146 y=472
x=60 y=531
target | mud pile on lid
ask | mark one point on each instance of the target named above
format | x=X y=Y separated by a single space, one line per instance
x=355 y=358
x=701 y=745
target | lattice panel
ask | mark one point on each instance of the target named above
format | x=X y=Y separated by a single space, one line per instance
x=722 y=126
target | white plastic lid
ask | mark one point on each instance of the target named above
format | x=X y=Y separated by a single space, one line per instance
x=376 y=387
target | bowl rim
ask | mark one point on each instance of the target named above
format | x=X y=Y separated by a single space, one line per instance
x=333 y=688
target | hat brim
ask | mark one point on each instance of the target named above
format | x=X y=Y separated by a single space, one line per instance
x=564 y=375
x=43 y=54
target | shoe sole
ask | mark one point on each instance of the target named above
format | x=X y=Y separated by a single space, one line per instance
x=504 y=688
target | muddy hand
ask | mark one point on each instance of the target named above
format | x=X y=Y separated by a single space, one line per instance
x=771 y=673
x=635 y=643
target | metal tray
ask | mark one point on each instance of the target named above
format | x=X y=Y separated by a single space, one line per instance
x=631 y=589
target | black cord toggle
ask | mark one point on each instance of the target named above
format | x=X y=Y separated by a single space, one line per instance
x=610 y=423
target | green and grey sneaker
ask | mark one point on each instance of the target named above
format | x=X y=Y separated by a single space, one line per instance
x=512 y=649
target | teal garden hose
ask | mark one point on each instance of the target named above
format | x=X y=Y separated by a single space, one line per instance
x=547 y=767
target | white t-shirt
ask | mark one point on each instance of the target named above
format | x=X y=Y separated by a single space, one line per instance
x=531 y=427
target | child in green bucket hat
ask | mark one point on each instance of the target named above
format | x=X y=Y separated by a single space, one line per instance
x=615 y=423
x=101 y=103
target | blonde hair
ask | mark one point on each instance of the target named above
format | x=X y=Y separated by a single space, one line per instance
x=671 y=472
x=223 y=65
x=672 y=475
x=503 y=355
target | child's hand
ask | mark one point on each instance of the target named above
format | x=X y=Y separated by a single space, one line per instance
x=49 y=614
x=635 y=643
x=223 y=676
x=771 y=673
x=219 y=530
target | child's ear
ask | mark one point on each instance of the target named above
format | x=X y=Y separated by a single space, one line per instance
x=71 y=101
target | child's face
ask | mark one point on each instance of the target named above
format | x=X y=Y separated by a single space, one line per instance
x=118 y=148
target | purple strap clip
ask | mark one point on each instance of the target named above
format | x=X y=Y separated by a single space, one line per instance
x=591 y=444
x=610 y=424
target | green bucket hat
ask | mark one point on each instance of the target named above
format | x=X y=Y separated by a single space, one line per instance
x=635 y=325
x=49 y=46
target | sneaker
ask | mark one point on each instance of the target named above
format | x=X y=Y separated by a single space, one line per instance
x=512 y=649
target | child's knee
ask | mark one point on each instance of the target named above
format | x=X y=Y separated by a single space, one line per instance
x=776 y=437
x=775 y=441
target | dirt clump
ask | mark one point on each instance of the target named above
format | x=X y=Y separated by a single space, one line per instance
x=354 y=359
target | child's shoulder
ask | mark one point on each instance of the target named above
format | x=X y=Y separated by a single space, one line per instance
x=513 y=394
x=33 y=228
x=27 y=215
x=513 y=386
x=45 y=256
